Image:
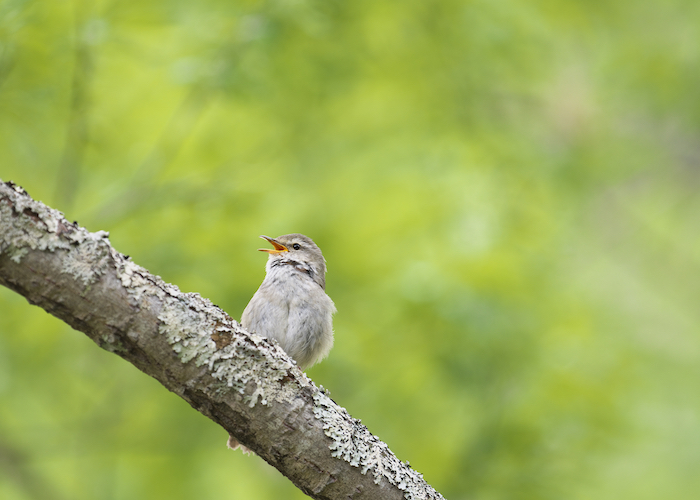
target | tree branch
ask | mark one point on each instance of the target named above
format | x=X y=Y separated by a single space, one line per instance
x=241 y=381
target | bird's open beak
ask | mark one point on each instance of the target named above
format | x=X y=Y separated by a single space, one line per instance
x=279 y=247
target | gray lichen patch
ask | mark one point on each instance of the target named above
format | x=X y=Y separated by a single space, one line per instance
x=49 y=231
x=18 y=237
x=353 y=443
x=89 y=259
x=138 y=282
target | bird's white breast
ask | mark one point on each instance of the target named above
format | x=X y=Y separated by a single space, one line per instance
x=293 y=309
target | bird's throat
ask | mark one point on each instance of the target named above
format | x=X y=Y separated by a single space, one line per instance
x=298 y=266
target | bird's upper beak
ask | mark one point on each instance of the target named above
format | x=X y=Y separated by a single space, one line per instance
x=279 y=247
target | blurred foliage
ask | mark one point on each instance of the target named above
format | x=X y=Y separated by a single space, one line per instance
x=505 y=193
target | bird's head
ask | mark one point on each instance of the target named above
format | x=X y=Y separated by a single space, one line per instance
x=300 y=249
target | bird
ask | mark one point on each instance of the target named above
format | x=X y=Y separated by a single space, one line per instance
x=291 y=305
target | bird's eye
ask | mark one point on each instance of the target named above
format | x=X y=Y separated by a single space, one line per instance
x=296 y=246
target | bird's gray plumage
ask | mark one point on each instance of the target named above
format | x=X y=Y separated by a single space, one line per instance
x=291 y=305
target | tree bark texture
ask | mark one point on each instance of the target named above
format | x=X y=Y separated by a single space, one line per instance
x=240 y=380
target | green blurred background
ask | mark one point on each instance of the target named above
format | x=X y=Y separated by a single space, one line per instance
x=506 y=193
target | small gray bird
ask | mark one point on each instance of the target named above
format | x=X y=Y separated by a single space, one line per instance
x=291 y=305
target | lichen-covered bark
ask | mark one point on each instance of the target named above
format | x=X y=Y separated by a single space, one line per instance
x=240 y=380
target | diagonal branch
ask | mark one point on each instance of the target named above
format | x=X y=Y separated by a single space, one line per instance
x=241 y=381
